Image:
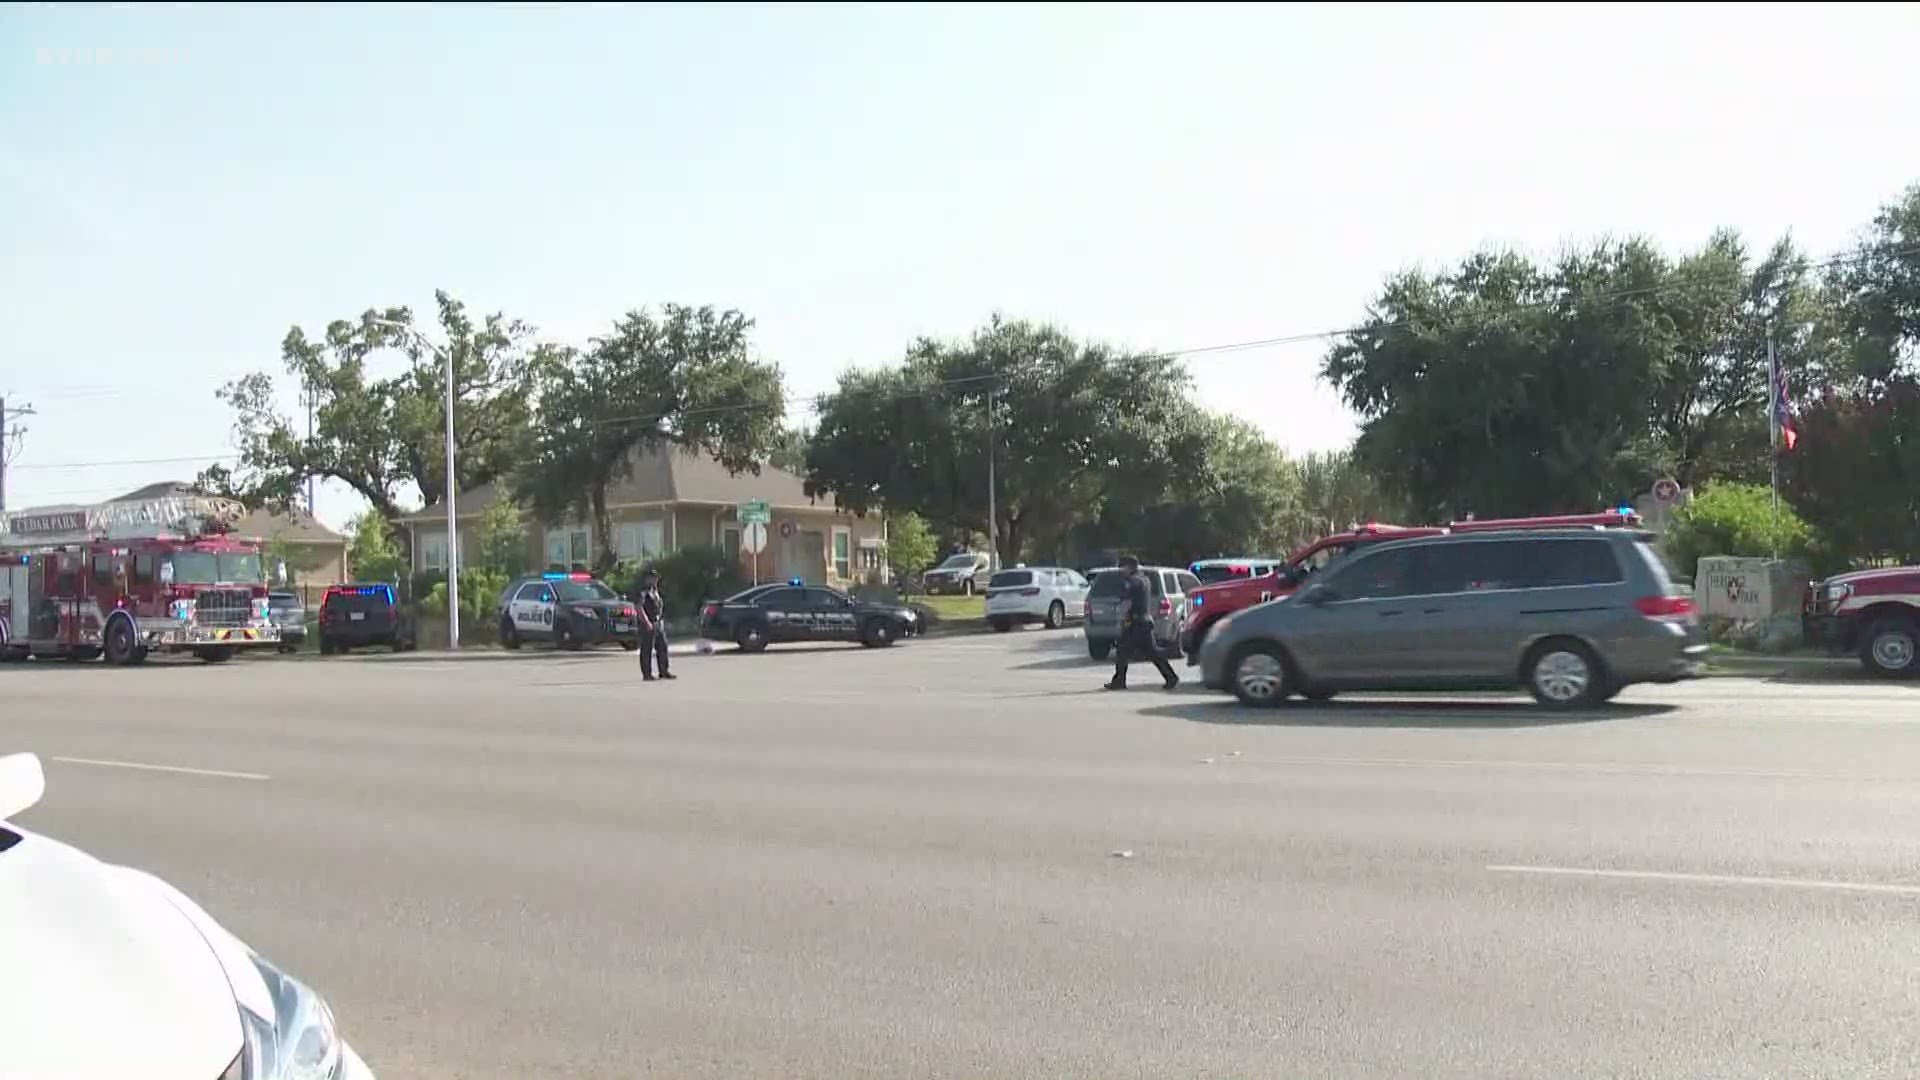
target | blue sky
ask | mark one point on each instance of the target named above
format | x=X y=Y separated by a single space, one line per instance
x=852 y=177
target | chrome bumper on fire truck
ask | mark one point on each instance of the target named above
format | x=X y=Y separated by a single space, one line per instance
x=186 y=636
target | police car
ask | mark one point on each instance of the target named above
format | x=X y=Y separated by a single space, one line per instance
x=572 y=611
x=770 y=614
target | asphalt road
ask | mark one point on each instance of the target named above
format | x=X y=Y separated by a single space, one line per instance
x=845 y=863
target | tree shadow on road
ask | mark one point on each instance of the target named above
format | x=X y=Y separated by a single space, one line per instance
x=1402 y=714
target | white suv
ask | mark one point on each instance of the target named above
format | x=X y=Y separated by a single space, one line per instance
x=965 y=574
x=1042 y=594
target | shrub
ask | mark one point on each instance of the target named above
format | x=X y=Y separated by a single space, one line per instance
x=480 y=591
x=688 y=577
x=1738 y=519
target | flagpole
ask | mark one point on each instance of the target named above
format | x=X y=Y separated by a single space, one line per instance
x=1773 y=442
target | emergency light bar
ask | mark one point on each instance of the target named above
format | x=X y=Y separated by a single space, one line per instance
x=557 y=575
x=796 y=582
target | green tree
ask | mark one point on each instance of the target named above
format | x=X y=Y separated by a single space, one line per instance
x=385 y=435
x=789 y=451
x=911 y=546
x=1856 y=473
x=685 y=378
x=1502 y=387
x=500 y=537
x=373 y=554
x=1242 y=498
x=1878 y=294
x=1073 y=423
x=1737 y=519
x=1337 y=493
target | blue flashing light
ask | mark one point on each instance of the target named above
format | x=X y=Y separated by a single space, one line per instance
x=554 y=575
x=796 y=582
x=1198 y=600
x=1624 y=511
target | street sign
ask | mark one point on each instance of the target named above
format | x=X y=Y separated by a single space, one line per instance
x=753 y=537
x=1666 y=491
x=755 y=510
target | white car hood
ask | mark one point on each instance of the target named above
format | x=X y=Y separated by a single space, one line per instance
x=102 y=976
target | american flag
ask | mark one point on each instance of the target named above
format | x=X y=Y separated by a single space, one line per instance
x=1779 y=412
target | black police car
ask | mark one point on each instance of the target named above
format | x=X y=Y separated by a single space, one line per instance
x=362 y=614
x=769 y=614
x=571 y=610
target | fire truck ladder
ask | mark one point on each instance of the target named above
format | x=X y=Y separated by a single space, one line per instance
x=129 y=519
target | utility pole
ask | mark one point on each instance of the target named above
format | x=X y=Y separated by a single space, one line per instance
x=993 y=515
x=309 y=396
x=8 y=435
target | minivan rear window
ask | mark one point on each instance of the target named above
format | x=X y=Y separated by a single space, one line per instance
x=1007 y=578
x=1112 y=583
x=1551 y=564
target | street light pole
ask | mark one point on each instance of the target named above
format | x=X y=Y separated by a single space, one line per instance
x=453 y=532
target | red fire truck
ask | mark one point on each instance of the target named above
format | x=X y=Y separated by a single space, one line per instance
x=1212 y=603
x=124 y=579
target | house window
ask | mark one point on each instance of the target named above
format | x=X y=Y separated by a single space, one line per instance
x=568 y=546
x=433 y=551
x=641 y=540
x=842 y=552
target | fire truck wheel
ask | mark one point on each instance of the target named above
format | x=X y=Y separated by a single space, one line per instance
x=215 y=654
x=123 y=646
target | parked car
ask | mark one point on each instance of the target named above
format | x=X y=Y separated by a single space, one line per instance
x=1874 y=614
x=966 y=573
x=1572 y=616
x=772 y=614
x=1169 y=589
x=1030 y=594
x=572 y=610
x=362 y=614
x=289 y=613
x=89 y=944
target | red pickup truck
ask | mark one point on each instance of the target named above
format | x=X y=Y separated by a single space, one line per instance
x=1211 y=603
x=1874 y=613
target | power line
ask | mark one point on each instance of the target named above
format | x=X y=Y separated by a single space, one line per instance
x=130 y=461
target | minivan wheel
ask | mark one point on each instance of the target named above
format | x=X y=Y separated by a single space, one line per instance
x=1098 y=648
x=1258 y=675
x=1565 y=675
x=1891 y=649
x=1056 y=615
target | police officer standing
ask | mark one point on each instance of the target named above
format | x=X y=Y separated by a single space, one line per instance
x=653 y=626
x=1136 y=630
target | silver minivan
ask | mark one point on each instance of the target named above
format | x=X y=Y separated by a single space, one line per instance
x=1169 y=589
x=1571 y=615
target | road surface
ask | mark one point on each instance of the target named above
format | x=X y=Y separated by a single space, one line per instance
x=957 y=858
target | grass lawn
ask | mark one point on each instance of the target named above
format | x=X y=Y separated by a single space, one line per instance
x=955 y=609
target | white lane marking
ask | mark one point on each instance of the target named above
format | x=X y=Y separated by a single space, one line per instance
x=224 y=774
x=1713 y=879
x=1572 y=766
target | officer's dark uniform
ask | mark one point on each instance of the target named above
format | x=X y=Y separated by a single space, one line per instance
x=653 y=629
x=1136 y=637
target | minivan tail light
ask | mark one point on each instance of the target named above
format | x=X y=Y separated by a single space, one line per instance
x=1666 y=608
x=1029 y=592
x=1166 y=606
x=710 y=611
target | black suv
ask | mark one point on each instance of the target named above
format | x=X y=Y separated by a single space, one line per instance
x=352 y=616
x=570 y=610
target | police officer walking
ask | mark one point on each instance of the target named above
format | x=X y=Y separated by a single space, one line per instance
x=653 y=626
x=1136 y=630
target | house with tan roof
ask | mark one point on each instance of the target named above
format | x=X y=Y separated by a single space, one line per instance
x=675 y=499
